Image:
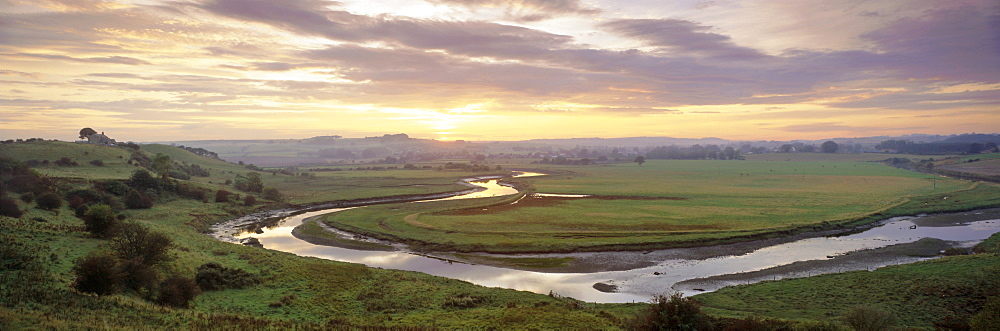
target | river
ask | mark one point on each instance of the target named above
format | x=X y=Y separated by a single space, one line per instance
x=637 y=276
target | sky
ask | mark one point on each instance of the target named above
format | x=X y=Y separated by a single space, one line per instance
x=150 y=70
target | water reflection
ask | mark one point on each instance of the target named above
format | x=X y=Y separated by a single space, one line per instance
x=636 y=285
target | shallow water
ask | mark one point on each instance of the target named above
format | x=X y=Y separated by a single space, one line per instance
x=640 y=284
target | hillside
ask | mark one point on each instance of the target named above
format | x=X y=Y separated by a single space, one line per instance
x=44 y=247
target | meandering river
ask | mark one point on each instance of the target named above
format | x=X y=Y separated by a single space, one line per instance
x=652 y=272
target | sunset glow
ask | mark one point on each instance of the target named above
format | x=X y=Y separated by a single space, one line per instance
x=148 y=70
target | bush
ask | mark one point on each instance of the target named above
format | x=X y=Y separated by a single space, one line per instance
x=864 y=318
x=99 y=220
x=134 y=242
x=81 y=211
x=213 y=277
x=98 y=163
x=49 y=201
x=177 y=292
x=273 y=194
x=143 y=180
x=66 y=162
x=674 y=312
x=222 y=196
x=99 y=274
x=115 y=187
x=136 y=200
x=249 y=201
x=139 y=277
x=8 y=207
x=28 y=197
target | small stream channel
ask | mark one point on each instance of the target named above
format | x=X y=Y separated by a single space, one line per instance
x=637 y=276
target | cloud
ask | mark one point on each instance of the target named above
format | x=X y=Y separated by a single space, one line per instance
x=527 y=10
x=105 y=59
x=683 y=38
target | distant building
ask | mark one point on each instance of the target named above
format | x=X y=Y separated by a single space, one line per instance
x=100 y=139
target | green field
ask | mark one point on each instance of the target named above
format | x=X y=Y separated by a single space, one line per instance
x=41 y=247
x=659 y=204
x=918 y=294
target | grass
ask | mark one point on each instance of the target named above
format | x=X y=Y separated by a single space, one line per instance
x=296 y=292
x=918 y=294
x=669 y=204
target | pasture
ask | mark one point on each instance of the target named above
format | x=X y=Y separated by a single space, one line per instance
x=659 y=204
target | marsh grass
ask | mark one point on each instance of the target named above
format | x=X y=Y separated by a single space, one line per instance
x=670 y=204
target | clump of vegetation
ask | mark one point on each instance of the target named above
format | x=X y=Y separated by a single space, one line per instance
x=98 y=273
x=8 y=207
x=99 y=219
x=214 y=277
x=251 y=182
x=866 y=318
x=673 y=312
x=137 y=200
x=177 y=292
x=49 y=201
x=273 y=194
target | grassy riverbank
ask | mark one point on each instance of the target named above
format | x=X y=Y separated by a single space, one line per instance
x=41 y=248
x=670 y=204
x=954 y=290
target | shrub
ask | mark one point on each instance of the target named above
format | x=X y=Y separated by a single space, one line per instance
x=49 y=201
x=115 y=187
x=134 y=242
x=864 y=318
x=178 y=175
x=28 y=197
x=136 y=200
x=8 y=207
x=98 y=163
x=191 y=191
x=273 y=194
x=177 y=292
x=674 y=312
x=213 y=277
x=99 y=220
x=99 y=274
x=142 y=180
x=222 y=196
x=75 y=201
x=249 y=201
x=66 y=162
x=139 y=277
x=81 y=211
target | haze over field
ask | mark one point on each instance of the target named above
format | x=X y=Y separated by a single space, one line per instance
x=149 y=70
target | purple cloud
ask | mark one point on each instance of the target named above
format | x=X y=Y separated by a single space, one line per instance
x=683 y=38
x=527 y=10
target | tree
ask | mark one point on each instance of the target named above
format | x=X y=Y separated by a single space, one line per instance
x=162 y=165
x=640 y=160
x=786 y=148
x=829 y=147
x=251 y=182
x=134 y=242
x=86 y=133
x=730 y=153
